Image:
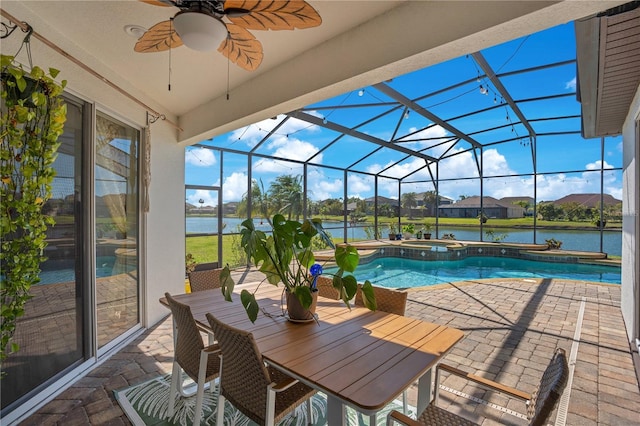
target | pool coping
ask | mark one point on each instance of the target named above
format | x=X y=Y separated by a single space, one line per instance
x=458 y=250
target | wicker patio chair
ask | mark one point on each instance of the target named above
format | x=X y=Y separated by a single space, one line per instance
x=394 y=302
x=263 y=394
x=540 y=403
x=326 y=289
x=200 y=363
x=206 y=279
x=387 y=299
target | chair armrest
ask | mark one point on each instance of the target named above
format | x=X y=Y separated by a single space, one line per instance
x=283 y=385
x=397 y=417
x=211 y=349
x=486 y=382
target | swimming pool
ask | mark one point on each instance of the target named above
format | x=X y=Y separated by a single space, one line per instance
x=62 y=271
x=405 y=273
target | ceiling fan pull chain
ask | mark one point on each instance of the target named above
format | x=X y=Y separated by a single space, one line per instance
x=170 y=48
x=228 y=65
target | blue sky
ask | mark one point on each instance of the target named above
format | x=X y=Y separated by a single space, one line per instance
x=556 y=150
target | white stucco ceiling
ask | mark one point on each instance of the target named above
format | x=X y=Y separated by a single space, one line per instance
x=360 y=42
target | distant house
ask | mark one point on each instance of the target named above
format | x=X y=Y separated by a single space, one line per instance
x=492 y=207
x=518 y=200
x=393 y=204
x=230 y=207
x=587 y=200
x=370 y=202
x=443 y=199
x=424 y=209
x=381 y=200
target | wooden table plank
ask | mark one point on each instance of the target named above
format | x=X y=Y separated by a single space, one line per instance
x=393 y=375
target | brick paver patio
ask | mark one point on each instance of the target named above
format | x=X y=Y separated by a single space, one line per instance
x=511 y=327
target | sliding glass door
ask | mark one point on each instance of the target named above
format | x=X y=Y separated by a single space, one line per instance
x=87 y=299
x=51 y=334
x=116 y=227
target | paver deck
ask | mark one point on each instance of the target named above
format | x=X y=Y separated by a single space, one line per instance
x=511 y=327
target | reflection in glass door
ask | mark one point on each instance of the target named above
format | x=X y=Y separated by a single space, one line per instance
x=116 y=228
x=51 y=335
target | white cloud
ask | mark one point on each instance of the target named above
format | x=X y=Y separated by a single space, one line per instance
x=461 y=165
x=234 y=187
x=359 y=184
x=550 y=187
x=437 y=132
x=285 y=144
x=571 y=84
x=597 y=164
x=322 y=189
x=200 y=157
x=209 y=198
x=494 y=163
x=293 y=149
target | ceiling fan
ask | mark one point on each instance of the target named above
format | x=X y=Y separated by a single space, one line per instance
x=224 y=25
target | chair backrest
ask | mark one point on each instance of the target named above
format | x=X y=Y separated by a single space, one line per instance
x=387 y=299
x=206 y=279
x=548 y=392
x=244 y=377
x=188 y=340
x=326 y=289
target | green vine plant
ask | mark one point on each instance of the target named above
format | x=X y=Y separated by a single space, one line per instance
x=496 y=238
x=32 y=119
x=189 y=263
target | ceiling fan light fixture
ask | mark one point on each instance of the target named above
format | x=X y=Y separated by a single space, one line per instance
x=199 y=31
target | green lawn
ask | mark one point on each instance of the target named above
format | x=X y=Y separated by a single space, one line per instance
x=205 y=249
x=502 y=223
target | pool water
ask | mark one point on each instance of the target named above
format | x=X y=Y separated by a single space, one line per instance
x=405 y=273
x=54 y=272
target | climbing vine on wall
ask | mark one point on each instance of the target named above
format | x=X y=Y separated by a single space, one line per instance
x=32 y=116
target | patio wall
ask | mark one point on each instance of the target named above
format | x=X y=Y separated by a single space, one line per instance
x=165 y=248
x=630 y=299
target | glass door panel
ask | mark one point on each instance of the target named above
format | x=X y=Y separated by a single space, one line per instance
x=116 y=227
x=50 y=334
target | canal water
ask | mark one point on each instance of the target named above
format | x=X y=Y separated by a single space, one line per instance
x=571 y=240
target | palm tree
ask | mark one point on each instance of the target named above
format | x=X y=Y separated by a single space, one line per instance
x=409 y=201
x=430 y=202
x=259 y=199
x=385 y=210
x=285 y=194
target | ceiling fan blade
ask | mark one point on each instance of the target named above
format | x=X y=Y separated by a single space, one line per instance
x=242 y=48
x=162 y=3
x=274 y=15
x=162 y=36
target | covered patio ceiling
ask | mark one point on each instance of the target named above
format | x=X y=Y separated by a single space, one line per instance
x=359 y=43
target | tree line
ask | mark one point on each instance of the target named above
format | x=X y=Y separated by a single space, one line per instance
x=285 y=195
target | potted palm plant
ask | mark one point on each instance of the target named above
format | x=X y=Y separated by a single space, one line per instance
x=392 y=230
x=286 y=257
x=427 y=230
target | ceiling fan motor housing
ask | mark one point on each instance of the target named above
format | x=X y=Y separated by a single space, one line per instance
x=200 y=30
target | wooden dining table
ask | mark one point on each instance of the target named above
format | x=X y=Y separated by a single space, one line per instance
x=357 y=357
